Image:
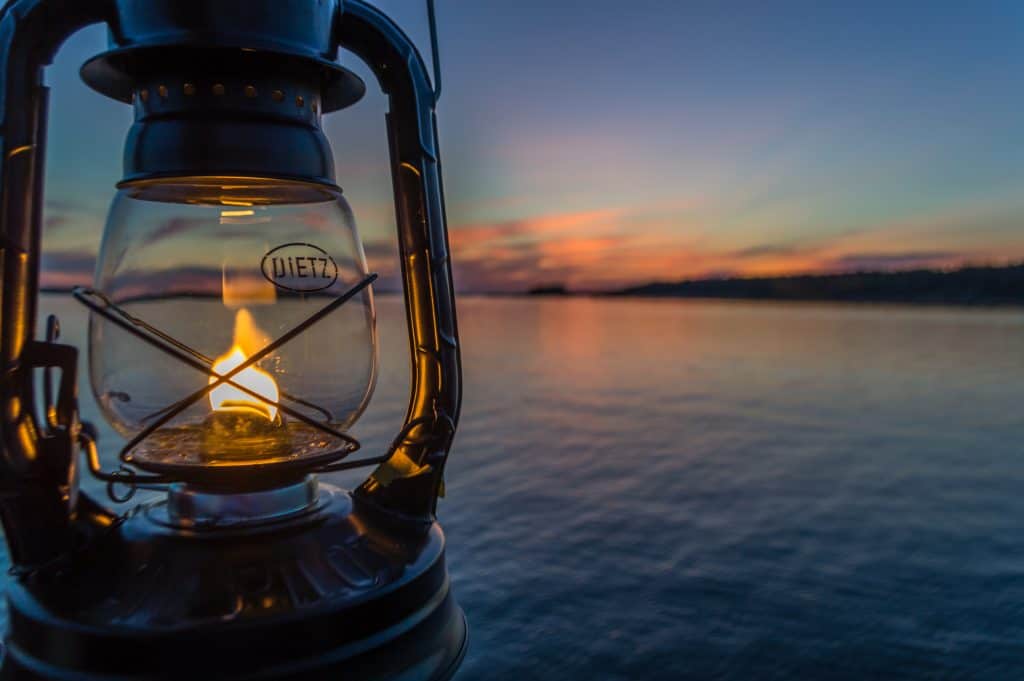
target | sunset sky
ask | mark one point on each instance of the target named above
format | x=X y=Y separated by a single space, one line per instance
x=602 y=144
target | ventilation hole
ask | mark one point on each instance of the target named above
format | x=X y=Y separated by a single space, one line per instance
x=250 y=91
x=190 y=89
x=218 y=90
x=299 y=101
x=312 y=107
x=144 y=95
x=278 y=96
x=131 y=99
x=162 y=90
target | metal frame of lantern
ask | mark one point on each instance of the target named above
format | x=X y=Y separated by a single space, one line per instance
x=32 y=31
x=395 y=608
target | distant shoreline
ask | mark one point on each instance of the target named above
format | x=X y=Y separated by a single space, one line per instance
x=966 y=286
x=970 y=285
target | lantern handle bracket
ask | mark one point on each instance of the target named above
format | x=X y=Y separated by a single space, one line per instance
x=409 y=482
x=36 y=466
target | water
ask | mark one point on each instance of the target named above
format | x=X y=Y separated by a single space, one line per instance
x=715 y=490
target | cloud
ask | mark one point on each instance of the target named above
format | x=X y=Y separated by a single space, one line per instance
x=53 y=223
x=534 y=228
x=592 y=250
x=769 y=250
x=381 y=250
x=65 y=269
x=382 y=259
x=64 y=206
x=609 y=249
x=894 y=261
x=175 y=226
x=70 y=221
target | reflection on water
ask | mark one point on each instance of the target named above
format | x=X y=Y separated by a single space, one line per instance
x=676 y=489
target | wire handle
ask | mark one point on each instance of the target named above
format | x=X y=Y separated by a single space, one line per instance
x=435 y=51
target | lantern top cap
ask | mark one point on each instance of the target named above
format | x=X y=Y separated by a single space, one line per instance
x=163 y=36
x=226 y=87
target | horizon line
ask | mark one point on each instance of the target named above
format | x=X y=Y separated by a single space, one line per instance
x=555 y=288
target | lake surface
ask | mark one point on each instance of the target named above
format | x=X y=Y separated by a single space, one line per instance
x=720 y=490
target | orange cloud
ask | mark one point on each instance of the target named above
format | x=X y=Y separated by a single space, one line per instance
x=608 y=249
x=545 y=226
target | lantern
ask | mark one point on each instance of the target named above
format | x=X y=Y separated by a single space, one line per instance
x=232 y=342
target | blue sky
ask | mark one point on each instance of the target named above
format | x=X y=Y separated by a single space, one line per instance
x=609 y=143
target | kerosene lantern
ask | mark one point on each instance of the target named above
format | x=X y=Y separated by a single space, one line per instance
x=232 y=343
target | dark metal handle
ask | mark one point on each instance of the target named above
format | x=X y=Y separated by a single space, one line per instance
x=35 y=513
x=411 y=479
x=34 y=510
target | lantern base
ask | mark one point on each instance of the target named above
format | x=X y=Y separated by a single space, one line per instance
x=342 y=592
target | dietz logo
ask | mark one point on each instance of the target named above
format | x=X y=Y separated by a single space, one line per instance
x=299 y=267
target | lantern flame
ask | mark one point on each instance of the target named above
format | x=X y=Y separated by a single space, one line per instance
x=248 y=339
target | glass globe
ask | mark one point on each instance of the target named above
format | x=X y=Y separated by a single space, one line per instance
x=219 y=268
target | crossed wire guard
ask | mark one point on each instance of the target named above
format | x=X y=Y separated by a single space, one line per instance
x=130 y=478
